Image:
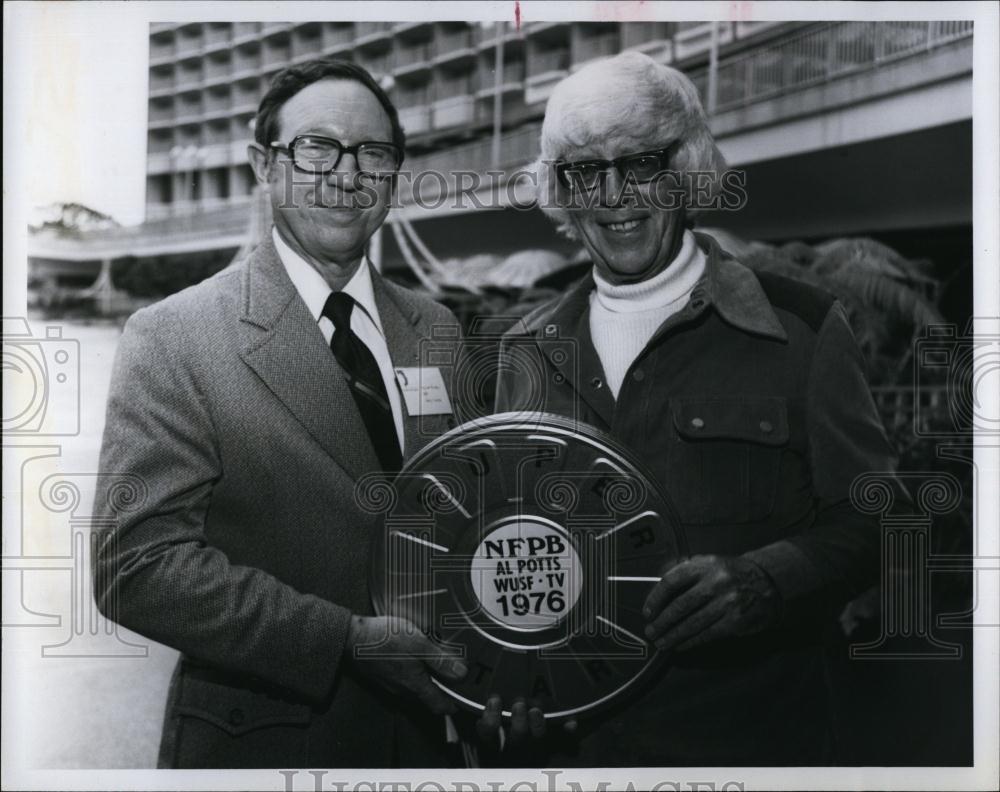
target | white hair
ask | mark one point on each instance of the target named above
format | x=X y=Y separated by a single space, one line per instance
x=629 y=98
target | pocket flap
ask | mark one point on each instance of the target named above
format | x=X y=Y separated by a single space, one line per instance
x=762 y=420
x=204 y=694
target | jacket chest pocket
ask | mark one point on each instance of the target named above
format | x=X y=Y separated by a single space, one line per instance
x=726 y=457
x=221 y=725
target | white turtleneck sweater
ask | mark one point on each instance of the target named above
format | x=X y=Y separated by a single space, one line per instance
x=624 y=317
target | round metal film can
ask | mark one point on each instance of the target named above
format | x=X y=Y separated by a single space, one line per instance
x=527 y=542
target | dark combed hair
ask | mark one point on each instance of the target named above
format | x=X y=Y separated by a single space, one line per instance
x=290 y=81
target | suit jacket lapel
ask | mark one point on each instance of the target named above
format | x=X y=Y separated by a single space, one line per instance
x=285 y=347
x=404 y=326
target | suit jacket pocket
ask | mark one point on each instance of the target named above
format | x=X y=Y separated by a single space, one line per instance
x=726 y=458
x=226 y=721
x=216 y=698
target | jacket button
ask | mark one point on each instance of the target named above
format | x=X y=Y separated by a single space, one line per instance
x=236 y=716
x=697 y=423
x=766 y=427
x=596 y=382
x=638 y=375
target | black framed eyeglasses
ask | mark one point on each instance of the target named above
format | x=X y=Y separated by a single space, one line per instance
x=319 y=154
x=640 y=167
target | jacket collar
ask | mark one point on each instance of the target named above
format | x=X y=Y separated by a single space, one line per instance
x=267 y=289
x=728 y=286
x=736 y=294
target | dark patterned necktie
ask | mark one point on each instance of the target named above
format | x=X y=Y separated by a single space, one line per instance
x=365 y=379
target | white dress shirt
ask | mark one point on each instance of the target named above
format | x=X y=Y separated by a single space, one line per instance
x=365 y=323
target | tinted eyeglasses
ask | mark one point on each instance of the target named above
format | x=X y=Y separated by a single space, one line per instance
x=641 y=167
x=319 y=154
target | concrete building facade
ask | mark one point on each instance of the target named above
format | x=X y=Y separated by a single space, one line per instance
x=875 y=114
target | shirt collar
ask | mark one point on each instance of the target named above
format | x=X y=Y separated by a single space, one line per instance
x=314 y=290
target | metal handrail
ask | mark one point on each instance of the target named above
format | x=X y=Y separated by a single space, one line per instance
x=822 y=53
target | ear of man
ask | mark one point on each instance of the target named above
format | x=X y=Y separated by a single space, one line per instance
x=259 y=158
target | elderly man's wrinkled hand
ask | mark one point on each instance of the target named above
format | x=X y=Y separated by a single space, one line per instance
x=707 y=598
x=396 y=654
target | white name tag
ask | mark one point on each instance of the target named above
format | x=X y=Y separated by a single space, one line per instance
x=423 y=391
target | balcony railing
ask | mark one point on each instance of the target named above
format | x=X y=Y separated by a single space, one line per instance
x=410 y=58
x=458 y=109
x=823 y=53
x=545 y=61
x=416 y=119
x=160 y=142
x=188 y=78
x=372 y=32
x=217 y=35
x=245 y=67
x=635 y=34
x=379 y=65
x=161 y=50
x=453 y=41
x=412 y=30
x=517 y=149
x=306 y=47
x=693 y=38
x=413 y=97
x=188 y=114
x=536 y=28
x=336 y=35
x=449 y=86
x=188 y=45
x=512 y=78
x=486 y=35
x=244 y=106
x=160 y=112
x=216 y=106
x=216 y=134
x=274 y=28
x=593 y=47
x=227 y=214
x=275 y=56
x=161 y=82
x=245 y=29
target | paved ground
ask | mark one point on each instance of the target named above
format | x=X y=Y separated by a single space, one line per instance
x=101 y=707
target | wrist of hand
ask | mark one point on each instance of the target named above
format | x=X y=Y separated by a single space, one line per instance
x=769 y=597
x=355 y=628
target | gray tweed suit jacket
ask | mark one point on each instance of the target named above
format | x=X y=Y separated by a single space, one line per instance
x=240 y=542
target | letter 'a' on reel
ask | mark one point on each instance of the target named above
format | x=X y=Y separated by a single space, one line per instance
x=528 y=542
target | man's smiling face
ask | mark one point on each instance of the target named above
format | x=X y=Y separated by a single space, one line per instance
x=326 y=217
x=629 y=236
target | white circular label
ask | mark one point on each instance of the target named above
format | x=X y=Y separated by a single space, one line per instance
x=526 y=574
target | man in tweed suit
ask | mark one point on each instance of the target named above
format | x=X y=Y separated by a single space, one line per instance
x=248 y=428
